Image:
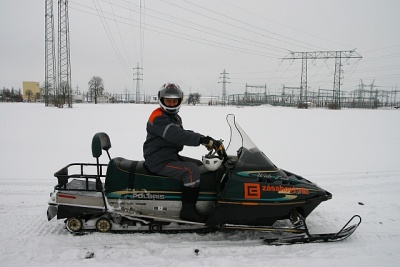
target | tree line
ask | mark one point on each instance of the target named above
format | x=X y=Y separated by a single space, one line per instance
x=95 y=90
x=10 y=95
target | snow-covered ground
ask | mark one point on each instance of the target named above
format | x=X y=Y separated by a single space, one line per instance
x=354 y=154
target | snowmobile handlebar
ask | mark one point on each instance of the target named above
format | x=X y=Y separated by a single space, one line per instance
x=219 y=149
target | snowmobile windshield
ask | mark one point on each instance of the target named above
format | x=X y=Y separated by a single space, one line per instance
x=250 y=158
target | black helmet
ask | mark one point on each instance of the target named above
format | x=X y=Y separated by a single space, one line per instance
x=170 y=90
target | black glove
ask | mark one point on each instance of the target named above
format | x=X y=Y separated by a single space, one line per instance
x=207 y=141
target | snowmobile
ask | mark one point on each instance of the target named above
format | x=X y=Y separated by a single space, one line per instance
x=240 y=189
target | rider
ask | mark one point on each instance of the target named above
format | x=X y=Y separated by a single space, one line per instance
x=166 y=137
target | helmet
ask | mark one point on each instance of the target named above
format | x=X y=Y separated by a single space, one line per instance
x=211 y=163
x=170 y=90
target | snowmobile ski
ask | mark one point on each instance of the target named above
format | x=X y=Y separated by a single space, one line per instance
x=306 y=237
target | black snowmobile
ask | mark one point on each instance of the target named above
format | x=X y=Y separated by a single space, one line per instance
x=242 y=190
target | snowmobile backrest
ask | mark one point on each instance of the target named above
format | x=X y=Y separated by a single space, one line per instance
x=100 y=142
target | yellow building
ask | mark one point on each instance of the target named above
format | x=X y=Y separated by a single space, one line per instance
x=31 y=91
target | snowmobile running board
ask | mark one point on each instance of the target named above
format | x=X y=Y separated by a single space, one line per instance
x=306 y=237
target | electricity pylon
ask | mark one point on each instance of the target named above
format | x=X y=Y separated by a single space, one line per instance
x=337 y=55
x=50 y=79
x=136 y=77
x=64 y=61
x=224 y=81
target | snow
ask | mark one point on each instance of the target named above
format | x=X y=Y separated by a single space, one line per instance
x=354 y=154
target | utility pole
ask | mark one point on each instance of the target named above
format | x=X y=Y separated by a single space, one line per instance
x=337 y=55
x=127 y=96
x=224 y=81
x=50 y=80
x=137 y=78
x=64 y=61
x=394 y=94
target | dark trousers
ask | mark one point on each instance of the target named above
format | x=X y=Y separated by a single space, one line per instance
x=185 y=170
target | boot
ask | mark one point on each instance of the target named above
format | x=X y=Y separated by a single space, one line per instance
x=189 y=199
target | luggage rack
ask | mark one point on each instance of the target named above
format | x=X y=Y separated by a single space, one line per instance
x=85 y=177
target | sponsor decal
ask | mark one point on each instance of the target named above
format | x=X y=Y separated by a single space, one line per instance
x=270 y=176
x=252 y=191
x=285 y=190
x=261 y=174
x=147 y=196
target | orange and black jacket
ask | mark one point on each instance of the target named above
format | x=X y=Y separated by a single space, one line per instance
x=165 y=139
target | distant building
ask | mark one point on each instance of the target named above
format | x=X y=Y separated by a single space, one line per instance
x=208 y=100
x=104 y=99
x=154 y=99
x=78 y=98
x=204 y=100
x=31 y=92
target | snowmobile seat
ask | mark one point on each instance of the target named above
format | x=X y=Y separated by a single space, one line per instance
x=123 y=174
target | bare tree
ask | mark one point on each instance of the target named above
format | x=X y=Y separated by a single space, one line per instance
x=64 y=96
x=194 y=98
x=96 y=87
x=29 y=94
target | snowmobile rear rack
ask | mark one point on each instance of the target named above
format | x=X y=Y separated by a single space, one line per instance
x=81 y=171
x=100 y=142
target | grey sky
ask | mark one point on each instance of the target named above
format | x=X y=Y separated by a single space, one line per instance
x=192 y=42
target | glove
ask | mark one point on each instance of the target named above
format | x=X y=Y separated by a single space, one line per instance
x=207 y=142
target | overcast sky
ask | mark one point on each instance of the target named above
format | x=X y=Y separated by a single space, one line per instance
x=191 y=43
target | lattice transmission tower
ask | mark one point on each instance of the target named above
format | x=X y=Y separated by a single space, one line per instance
x=224 y=81
x=137 y=77
x=337 y=55
x=64 y=61
x=50 y=80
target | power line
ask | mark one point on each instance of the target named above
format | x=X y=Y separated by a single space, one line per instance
x=196 y=28
x=242 y=22
x=109 y=35
x=257 y=15
x=188 y=37
x=218 y=33
x=119 y=32
x=142 y=28
x=382 y=48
